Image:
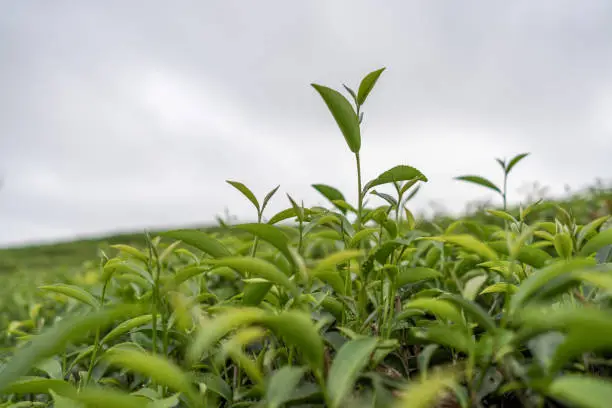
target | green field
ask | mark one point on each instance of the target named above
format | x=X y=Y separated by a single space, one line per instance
x=348 y=305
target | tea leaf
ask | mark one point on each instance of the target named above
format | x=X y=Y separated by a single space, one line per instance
x=352 y=357
x=73 y=292
x=500 y=287
x=98 y=397
x=257 y=267
x=468 y=243
x=426 y=393
x=541 y=277
x=366 y=85
x=156 y=367
x=52 y=341
x=213 y=330
x=297 y=329
x=412 y=275
x=255 y=292
x=282 y=215
x=246 y=192
x=581 y=391
x=528 y=255
x=599 y=241
x=271 y=234
x=199 y=240
x=282 y=385
x=441 y=308
x=473 y=309
x=39 y=385
x=268 y=197
x=126 y=326
x=397 y=173
x=514 y=161
x=330 y=193
x=449 y=336
x=344 y=115
x=481 y=181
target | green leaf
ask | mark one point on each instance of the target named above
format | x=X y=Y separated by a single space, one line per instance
x=331 y=193
x=441 y=308
x=449 y=336
x=539 y=278
x=213 y=330
x=269 y=196
x=246 y=192
x=397 y=173
x=39 y=385
x=589 y=229
x=158 y=368
x=426 y=393
x=170 y=402
x=416 y=274
x=73 y=292
x=270 y=234
x=297 y=329
x=472 y=286
x=255 y=292
x=336 y=258
x=503 y=215
x=344 y=115
x=481 y=181
x=604 y=238
x=366 y=85
x=52 y=367
x=528 y=255
x=333 y=279
x=257 y=267
x=564 y=245
x=388 y=198
x=60 y=401
x=581 y=391
x=200 y=240
x=500 y=287
x=126 y=326
x=351 y=92
x=55 y=339
x=282 y=215
x=217 y=385
x=467 y=242
x=361 y=235
x=514 y=161
x=352 y=357
x=97 y=397
x=132 y=251
x=474 y=310
x=282 y=385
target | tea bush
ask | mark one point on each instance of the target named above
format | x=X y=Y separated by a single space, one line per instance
x=351 y=305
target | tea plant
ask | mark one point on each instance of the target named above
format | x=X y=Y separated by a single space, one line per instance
x=353 y=305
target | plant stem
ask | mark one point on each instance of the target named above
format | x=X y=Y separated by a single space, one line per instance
x=359 y=193
x=505 y=189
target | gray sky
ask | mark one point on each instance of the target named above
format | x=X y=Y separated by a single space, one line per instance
x=125 y=115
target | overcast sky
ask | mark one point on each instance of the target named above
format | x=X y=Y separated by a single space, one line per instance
x=120 y=115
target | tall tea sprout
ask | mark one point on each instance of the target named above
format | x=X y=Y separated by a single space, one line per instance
x=349 y=120
x=506 y=167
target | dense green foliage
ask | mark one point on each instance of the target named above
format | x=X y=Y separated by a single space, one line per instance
x=351 y=305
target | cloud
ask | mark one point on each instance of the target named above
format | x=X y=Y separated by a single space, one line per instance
x=126 y=116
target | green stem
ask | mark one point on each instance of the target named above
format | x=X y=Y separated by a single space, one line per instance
x=94 y=352
x=505 y=190
x=359 y=193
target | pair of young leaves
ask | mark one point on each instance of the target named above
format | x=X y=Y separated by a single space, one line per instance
x=347 y=119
